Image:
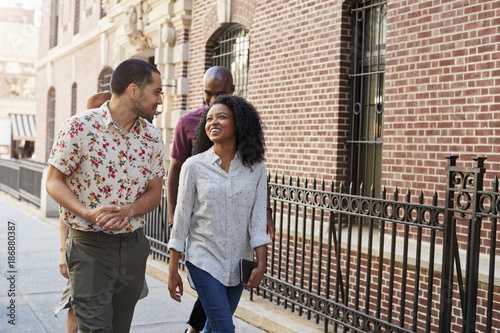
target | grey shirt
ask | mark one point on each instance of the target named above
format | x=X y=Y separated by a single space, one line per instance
x=222 y=215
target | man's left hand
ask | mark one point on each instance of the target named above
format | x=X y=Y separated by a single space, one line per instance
x=115 y=220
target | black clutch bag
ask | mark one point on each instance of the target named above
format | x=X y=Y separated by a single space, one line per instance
x=246 y=267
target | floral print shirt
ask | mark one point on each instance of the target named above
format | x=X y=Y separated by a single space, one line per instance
x=106 y=165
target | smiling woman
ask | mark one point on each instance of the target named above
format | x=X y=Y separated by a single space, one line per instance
x=220 y=128
x=249 y=135
x=221 y=210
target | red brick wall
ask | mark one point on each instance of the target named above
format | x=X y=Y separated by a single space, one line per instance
x=297 y=80
x=203 y=10
x=441 y=89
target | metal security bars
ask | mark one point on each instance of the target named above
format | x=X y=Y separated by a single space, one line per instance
x=367 y=93
x=157 y=228
x=233 y=52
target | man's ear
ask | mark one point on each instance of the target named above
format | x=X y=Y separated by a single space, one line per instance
x=133 y=91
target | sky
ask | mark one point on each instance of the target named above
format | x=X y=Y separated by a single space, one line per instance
x=27 y=4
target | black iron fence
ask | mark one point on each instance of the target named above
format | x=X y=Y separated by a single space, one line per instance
x=381 y=263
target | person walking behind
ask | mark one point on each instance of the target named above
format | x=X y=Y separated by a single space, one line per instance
x=221 y=210
x=106 y=172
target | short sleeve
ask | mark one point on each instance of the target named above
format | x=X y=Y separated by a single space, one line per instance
x=182 y=145
x=157 y=166
x=66 y=150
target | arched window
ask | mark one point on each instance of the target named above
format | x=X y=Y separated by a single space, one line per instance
x=51 y=115
x=73 y=99
x=232 y=50
x=367 y=94
x=104 y=81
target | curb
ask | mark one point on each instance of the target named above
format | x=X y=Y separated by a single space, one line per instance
x=259 y=312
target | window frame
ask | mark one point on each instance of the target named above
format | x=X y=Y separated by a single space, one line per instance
x=365 y=139
x=232 y=50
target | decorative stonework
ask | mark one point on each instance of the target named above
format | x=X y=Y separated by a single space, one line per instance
x=169 y=35
x=137 y=19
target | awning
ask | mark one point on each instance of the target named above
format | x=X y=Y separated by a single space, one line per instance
x=23 y=127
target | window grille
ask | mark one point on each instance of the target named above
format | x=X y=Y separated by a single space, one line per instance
x=367 y=94
x=104 y=81
x=232 y=51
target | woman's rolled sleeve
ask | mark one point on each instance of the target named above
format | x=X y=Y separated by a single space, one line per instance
x=258 y=219
x=184 y=208
x=176 y=244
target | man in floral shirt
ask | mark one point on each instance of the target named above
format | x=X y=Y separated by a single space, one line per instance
x=106 y=172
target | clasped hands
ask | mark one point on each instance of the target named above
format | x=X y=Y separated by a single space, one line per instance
x=110 y=217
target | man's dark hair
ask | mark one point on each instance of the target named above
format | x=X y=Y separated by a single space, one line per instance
x=132 y=70
x=249 y=134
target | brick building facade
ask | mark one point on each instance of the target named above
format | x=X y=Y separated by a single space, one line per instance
x=441 y=88
x=374 y=92
x=441 y=75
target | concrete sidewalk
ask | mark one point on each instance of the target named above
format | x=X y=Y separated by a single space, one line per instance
x=31 y=285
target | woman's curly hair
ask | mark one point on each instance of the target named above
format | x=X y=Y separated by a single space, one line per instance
x=249 y=134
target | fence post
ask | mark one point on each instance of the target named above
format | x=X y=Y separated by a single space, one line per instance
x=445 y=314
x=464 y=177
x=473 y=248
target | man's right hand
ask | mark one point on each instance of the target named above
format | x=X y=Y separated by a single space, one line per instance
x=107 y=217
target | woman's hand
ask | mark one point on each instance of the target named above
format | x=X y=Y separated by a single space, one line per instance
x=258 y=272
x=175 y=286
x=63 y=268
x=255 y=277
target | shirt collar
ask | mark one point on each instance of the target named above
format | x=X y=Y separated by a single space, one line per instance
x=108 y=120
x=214 y=158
